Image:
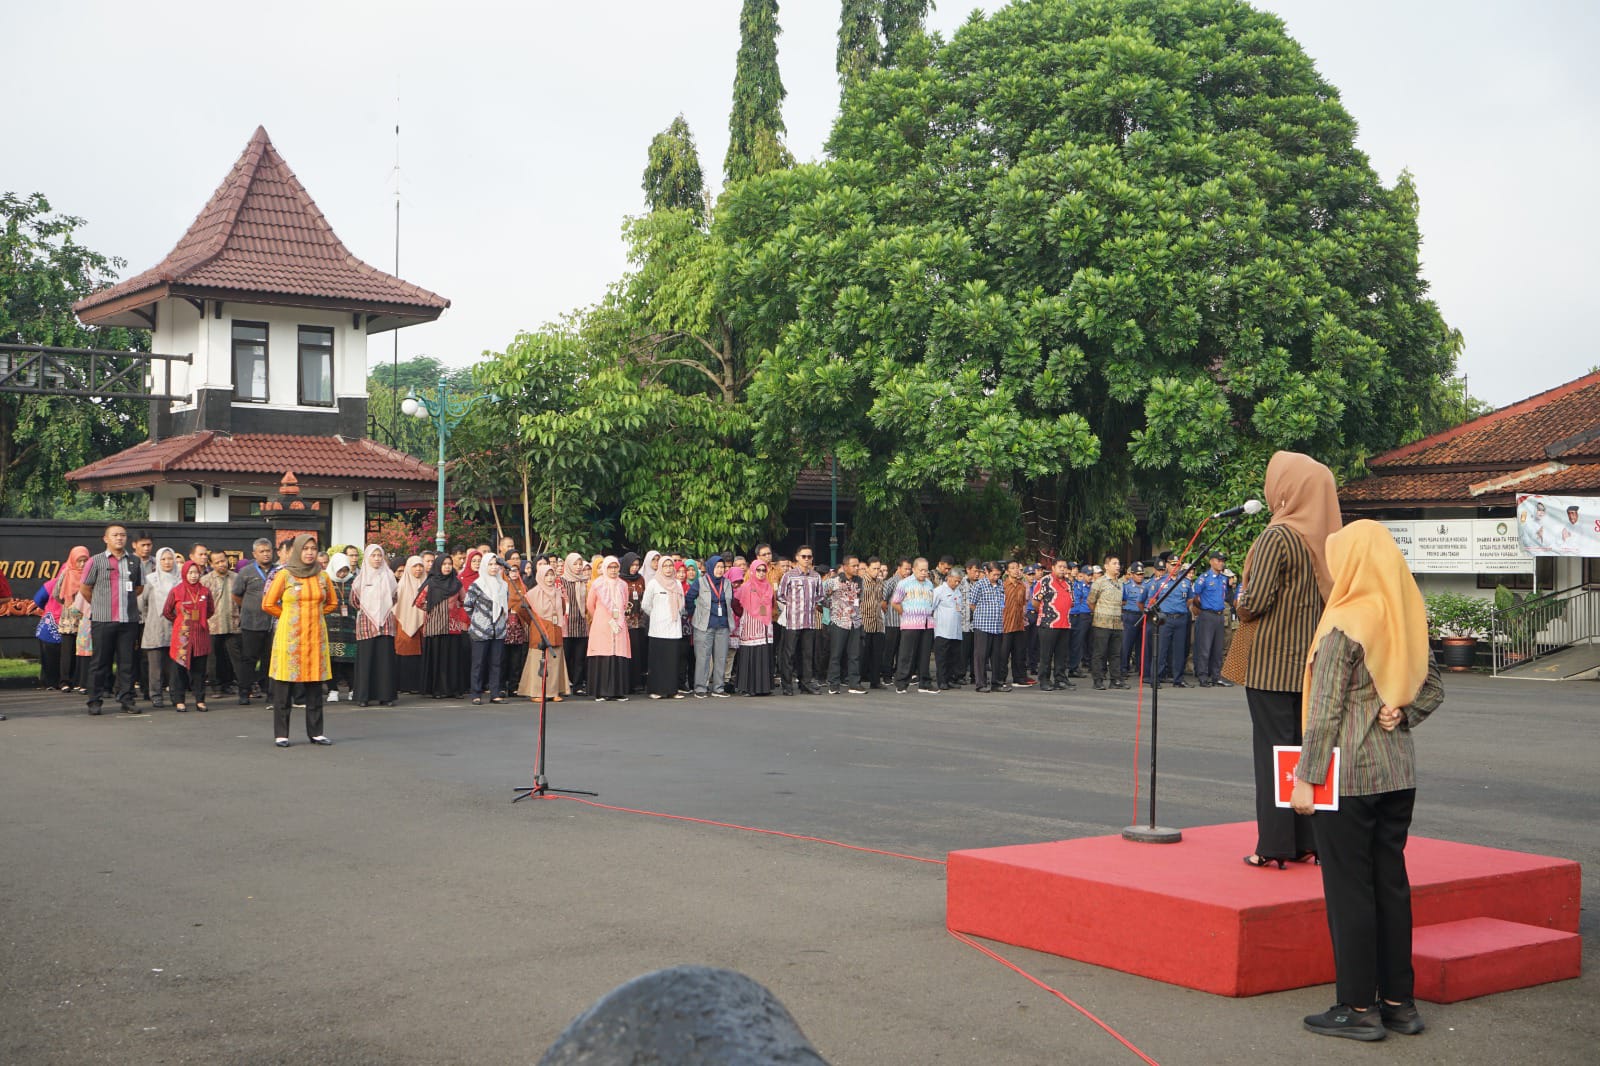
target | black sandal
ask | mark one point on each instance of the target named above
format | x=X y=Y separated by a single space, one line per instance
x=1310 y=857
x=1261 y=864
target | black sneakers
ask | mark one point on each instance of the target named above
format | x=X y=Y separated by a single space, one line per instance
x=1401 y=1017
x=1340 y=1020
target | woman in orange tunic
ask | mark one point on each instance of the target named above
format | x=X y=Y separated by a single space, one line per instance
x=298 y=597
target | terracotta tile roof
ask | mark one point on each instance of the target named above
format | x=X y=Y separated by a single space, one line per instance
x=262 y=234
x=255 y=457
x=1549 y=443
x=1521 y=433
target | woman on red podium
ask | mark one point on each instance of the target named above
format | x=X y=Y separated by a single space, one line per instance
x=1286 y=579
x=1369 y=681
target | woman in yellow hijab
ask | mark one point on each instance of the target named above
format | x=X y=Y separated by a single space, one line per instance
x=1370 y=680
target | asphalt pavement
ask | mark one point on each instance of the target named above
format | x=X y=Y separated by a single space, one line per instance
x=175 y=889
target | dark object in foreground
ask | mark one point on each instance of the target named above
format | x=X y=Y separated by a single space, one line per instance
x=681 y=1016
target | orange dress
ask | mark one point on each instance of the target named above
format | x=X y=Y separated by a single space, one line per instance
x=300 y=640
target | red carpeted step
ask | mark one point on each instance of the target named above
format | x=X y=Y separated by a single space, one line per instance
x=1193 y=914
x=1477 y=956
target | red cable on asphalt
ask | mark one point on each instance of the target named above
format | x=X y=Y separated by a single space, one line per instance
x=1118 y=1037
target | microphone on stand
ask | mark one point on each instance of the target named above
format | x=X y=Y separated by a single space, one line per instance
x=1247 y=507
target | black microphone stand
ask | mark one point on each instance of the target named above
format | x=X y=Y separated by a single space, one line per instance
x=541 y=784
x=1153 y=833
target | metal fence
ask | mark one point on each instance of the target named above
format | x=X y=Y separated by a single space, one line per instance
x=1544 y=624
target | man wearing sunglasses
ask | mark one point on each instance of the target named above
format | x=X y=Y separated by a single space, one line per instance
x=798 y=596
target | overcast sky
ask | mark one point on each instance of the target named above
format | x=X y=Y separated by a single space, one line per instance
x=524 y=128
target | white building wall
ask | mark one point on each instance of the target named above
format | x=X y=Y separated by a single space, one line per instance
x=349 y=519
x=180 y=330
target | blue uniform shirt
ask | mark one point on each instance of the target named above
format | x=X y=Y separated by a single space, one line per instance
x=1211 y=589
x=1133 y=594
x=1080 y=597
x=1178 y=602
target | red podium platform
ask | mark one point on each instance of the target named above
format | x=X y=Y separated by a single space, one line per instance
x=1193 y=914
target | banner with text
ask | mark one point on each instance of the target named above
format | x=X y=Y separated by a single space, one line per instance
x=1462 y=546
x=1559 y=525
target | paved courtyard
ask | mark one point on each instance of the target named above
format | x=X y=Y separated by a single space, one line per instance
x=175 y=889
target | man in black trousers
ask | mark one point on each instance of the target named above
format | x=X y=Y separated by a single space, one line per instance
x=255 y=625
x=112 y=582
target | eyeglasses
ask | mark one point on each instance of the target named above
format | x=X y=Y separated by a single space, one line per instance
x=803 y=555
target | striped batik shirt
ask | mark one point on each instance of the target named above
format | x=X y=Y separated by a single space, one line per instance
x=1280 y=589
x=1342 y=705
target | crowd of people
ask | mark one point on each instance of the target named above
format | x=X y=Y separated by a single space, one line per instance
x=462 y=624
x=1326 y=632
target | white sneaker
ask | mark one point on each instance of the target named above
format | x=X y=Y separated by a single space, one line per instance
x=333 y=697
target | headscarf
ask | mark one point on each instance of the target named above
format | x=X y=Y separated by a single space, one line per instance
x=597 y=566
x=376 y=588
x=303 y=571
x=691 y=573
x=160 y=582
x=572 y=568
x=69 y=579
x=648 y=571
x=1376 y=603
x=613 y=592
x=1301 y=494
x=735 y=575
x=469 y=567
x=187 y=593
x=495 y=588
x=411 y=617
x=545 y=602
x=440 y=586
x=338 y=566
x=756 y=595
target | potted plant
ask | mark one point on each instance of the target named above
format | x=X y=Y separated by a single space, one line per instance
x=1459 y=620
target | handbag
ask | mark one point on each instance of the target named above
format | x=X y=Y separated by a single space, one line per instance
x=1237 y=663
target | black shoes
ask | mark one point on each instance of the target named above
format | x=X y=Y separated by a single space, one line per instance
x=1401 y=1017
x=1340 y=1020
x=1222 y=684
x=1099 y=684
x=1180 y=684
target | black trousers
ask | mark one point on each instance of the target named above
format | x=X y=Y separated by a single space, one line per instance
x=1362 y=846
x=964 y=672
x=49 y=664
x=1053 y=647
x=486 y=657
x=516 y=657
x=891 y=652
x=256 y=646
x=576 y=649
x=1275 y=719
x=190 y=679
x=1107 y=653
x=284 y=693
x=915 y=647
x=74 y=670
x=1208 y=646
x=1015 y=653
x=871 y=653
x=113 y=643
x=794 y=657
x=1030 y=644
x=377 y=673
x=988 y=665
x=225 y=664
x=946 y=661
x=844 y=657
x=1079 y=656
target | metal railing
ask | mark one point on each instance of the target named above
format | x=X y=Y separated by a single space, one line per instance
x=1540 y=625
x=88 y=373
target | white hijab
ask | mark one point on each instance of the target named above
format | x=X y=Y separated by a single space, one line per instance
x=494 y=586
x=376 y=587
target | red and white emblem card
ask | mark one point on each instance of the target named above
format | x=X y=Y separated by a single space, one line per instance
x=1324 y=797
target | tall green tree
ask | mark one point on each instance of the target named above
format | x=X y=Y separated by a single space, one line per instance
x=902 y=23
x=672 y=175
x=755 y=125
x=387 y=387
x=1100 y=250
x=43 y=271
x=860 y=41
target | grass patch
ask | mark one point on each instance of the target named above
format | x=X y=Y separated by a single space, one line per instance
x=18 y=668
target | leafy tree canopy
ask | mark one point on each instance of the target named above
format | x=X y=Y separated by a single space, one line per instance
x=672 y=176
x=1103 y=250
x=43 y=272
x=755 y=125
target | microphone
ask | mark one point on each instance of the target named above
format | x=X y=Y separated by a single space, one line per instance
x=1247 y=507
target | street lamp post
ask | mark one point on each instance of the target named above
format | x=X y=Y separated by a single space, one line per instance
x=447 y=414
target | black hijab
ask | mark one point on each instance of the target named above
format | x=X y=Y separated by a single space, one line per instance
x=439 y=585
x=627 y=562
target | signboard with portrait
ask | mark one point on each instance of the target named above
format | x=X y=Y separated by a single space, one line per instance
x=1559 y=525
x=1461 y=546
